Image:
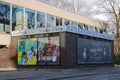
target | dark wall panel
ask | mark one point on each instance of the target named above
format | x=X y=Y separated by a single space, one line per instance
x=94 y=51
x=71 y=50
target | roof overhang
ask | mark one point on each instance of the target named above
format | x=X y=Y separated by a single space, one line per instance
x=71 y=29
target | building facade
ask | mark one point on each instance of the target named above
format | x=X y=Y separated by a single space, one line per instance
x=47 y=37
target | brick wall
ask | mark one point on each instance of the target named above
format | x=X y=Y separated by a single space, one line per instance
x=62 y=58
x=8 y=55
x=68 y=44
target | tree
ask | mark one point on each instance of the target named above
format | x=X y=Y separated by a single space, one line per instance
x=80 y=7
x=74 y=6
x=112 y=10
x=56 y=3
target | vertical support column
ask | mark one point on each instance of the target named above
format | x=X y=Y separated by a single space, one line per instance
x=54 y=24
x=46 y=20
x=70 y=23
x=24 y=16
x=63 y=22
x=71 y=50
x=63 y=49
x=10 y=18
x=112 y=52
x=35 y=19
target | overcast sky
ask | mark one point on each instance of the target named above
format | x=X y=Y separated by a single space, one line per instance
x=93 y=3
x=98 y=16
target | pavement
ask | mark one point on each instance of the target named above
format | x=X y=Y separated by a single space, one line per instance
x=95 y=73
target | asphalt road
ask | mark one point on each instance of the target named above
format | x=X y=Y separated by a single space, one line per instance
x=107 y=73
x=111 y=76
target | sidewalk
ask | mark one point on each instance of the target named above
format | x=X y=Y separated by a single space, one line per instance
x=55 y=74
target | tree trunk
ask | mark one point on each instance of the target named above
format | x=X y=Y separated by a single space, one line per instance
x=117 y=49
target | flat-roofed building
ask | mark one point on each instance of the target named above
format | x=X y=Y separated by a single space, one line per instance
x=49 y=37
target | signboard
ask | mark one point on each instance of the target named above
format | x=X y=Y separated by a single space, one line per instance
x=48 y=51
x=41 y=51
x=92 y=51
x=27 y=51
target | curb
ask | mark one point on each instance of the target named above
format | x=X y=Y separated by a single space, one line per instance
x=8 y=69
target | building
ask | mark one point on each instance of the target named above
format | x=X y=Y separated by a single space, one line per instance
x=40 y=35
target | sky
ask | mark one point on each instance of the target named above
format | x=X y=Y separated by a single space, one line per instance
x=100 y=15
x=93 y=3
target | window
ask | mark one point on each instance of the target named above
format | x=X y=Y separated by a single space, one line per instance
x=96 y=29
x=4 y=17
x=58 y=21
x=85 y=27
x=66 y=22
x=29 y=19
x=104 y=30
x=101 y=30
x=50 y=20
x=73 y=23
x=91 y=28
x=17 y=18
x=80 y=25
x=40 y=20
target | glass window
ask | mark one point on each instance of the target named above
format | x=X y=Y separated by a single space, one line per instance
x=101 y=30
x=17 y=18
x=58 y=21
x=29 y=19
x=91 y=28
x=66 y=22
x=50 y=20
x=80 y=25
x=96 y=29
x=85 y=27
x=40 y=20
x=5 y=17
x=73 y=23
x=104 y=30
